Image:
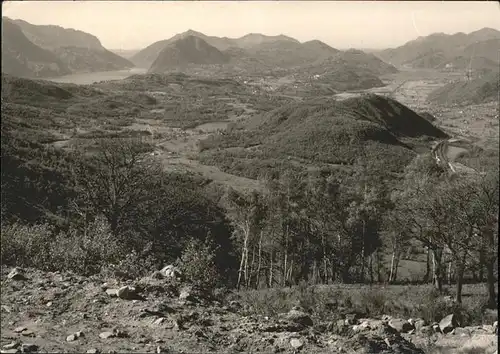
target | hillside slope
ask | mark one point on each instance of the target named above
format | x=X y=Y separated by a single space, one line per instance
x=22 y=58
x=479 y=90
x=188 y=50
x=325 y=131
x=77 y=50
x=438 y=49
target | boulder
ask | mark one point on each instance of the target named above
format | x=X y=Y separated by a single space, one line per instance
x=402 y=326
x=127 y=293
x=74 y=336
x=296 y=343
x=299 y=317
x=17 y=274
x=170 y=271
x=419 y=323
x=448 y=323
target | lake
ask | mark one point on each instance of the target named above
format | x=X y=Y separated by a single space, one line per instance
x=90 y=78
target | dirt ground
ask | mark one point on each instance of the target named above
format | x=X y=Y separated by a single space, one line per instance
x=61 y=312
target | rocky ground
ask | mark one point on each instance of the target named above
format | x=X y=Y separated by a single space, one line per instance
x=61 y=312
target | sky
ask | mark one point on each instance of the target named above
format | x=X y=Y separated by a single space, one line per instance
x=341 y=24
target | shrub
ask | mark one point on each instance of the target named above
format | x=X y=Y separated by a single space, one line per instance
x=40 y=247
x=198 y=264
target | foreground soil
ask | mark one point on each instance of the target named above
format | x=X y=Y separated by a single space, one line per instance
x=60 y=312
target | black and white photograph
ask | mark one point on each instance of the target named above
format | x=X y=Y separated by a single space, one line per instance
x=250 y=177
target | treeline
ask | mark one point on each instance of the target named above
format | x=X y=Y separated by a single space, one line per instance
x=113 y=205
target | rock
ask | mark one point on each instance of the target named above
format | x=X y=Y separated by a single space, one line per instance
x=17 y=274
x=361 y=327
x=462 y=332
x=74 y=336
x=93 y=351
x=27 y=333
x=235 y=304
x=436 y=328
x=107 y=334
x=160 y=350
x=351 y=319
x=12 y=345
x=28 y=347
x=20 y=329
x=419 y=323
x=426 y=330
x=495 y=327
x=8 y=351
x=159 y=320
x=296 y=343
x=112 y=292
x=402 y=326
x=186 y=294
x=447 y=324
x=127 y=293
x=299 y=317
x=170 y=271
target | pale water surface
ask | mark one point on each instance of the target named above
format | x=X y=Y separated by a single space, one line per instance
x=90 y=78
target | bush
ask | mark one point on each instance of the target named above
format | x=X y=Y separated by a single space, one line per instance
x=198 y=264
x=40 y=247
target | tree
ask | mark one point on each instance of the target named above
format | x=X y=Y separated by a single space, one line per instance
x=115 y=178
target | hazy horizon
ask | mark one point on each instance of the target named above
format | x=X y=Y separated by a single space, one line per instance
x=372 y=25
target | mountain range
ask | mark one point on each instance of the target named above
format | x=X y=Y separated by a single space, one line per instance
x=254 y=52
x=477 y=50
x=44 y=50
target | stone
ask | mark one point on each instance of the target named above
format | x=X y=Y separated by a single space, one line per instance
x=112 y=292
x=299 y=317
x=160 y=349
x=20 y=329
x=448 y=323
x=419 y=323
x=17 y=274
x=8 y=351
x=27 y=333
x=402 y=326
x=106 y=335
x=462 y=332
x=127 y=293
x=435 y=327
x=28 y=347
x=159 y=320
x=170 y=271
x=426 y=330
x=296 y=343
x=12 y=345
x=93 y=351
x=74 y=336
x=186 y=295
